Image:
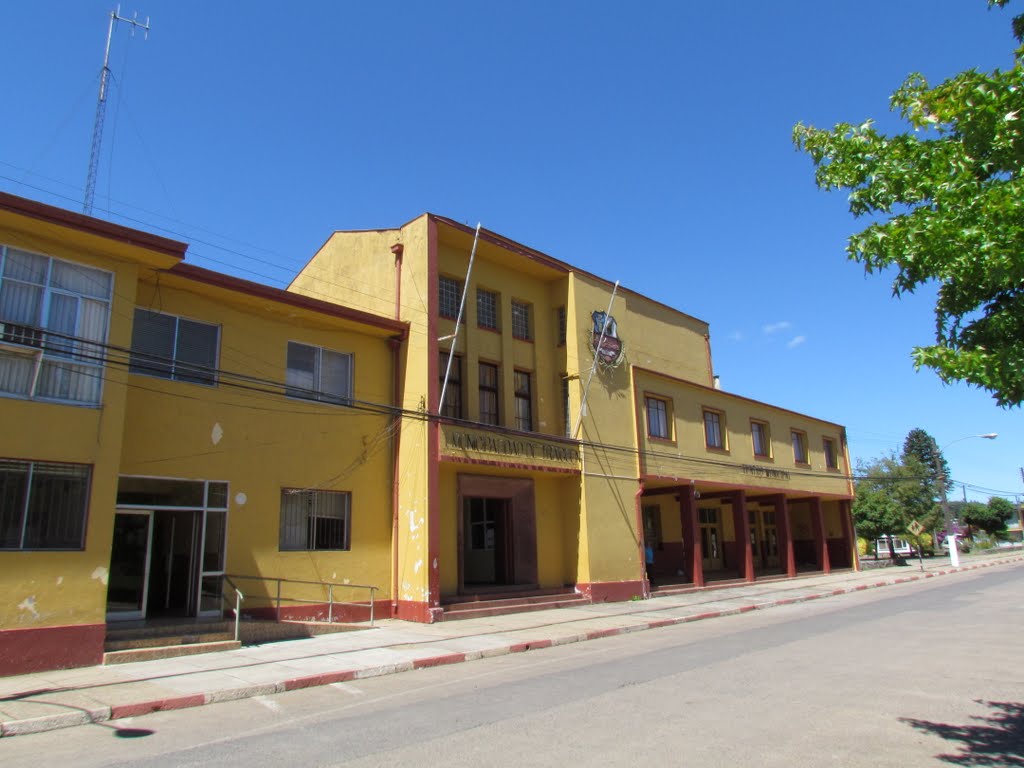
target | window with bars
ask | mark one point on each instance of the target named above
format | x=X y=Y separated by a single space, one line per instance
x=488 y=375
x=449 y=296
x=657 y=418
x=43 y=505
x=799 y=440
x=315 y=520
x=54 y=317
x=318 y=374
x=487 y=309
x=714 y=435
x=759 y=436
x=524 y=401
x=452 y=406
x=172 y=347
x=521 y=320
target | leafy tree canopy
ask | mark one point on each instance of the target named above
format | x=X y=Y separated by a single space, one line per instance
x=889 y=494
x=923 y=447
x=947 y=200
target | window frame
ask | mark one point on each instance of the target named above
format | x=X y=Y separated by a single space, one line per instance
x=523 y=399
x=317 y=394
x=491 y=322
x=314 y=497
x=831 y=457
x=42 y=518
x=561 y=324
x=138 y=365
x=798 y=437
x=719 y=422
x=494 y=390
x=766 y=436
x=665 y=412
x=443 y=282
x=521 y=320
x=454 y=391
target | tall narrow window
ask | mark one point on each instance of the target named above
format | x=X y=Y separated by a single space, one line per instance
x=174 y=348
x=657 y=418
x=521 y=320
x=449 y=295
x=799 y=446
x=318 y=374
x=831 y=456
x=760 y=438
x=488 y=393
x=561 y=320
x=566 y=410
x=452 y=407
x=486 y=309
x=714 y=436
x=524 y=401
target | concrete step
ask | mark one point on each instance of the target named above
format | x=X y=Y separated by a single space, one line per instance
x=161 y=641
x=483 y=609
x=168 y=651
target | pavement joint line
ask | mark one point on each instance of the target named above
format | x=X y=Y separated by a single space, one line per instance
x=104 y=713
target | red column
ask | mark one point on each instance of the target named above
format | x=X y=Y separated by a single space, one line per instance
x=744 y=552
x=846 y=513
x=820 y=542
x=693 y=554
x=785 y=534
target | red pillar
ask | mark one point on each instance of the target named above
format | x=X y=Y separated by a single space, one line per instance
x=820 y=541
x=785 y=534
x=693 y=554
x=846 y=514
x=740 y=523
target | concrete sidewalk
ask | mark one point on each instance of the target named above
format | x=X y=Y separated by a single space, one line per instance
x=63 y=698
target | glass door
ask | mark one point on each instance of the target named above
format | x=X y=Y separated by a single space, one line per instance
x=211 y=577
x=128 y=582
x=710 y=539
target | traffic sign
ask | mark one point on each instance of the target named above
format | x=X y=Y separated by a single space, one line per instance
x=915 y=527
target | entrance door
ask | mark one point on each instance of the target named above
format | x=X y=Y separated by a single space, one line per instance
x=710 y=538
x=173 y=576
x=488 y=549
x=129 y=565
x=756 y=542
x=771 y=539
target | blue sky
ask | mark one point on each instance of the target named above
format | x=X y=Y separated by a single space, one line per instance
x=648 y=143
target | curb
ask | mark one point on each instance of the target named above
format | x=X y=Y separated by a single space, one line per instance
x=105 y=713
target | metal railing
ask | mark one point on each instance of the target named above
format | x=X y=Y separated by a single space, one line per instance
x=239 y=598
x=277 y=598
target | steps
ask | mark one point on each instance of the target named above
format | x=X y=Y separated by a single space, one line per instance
x=501 y=603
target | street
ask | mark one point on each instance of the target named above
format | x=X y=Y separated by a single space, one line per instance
x=918 y=674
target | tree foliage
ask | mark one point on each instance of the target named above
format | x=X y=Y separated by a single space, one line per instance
x=947 y=200
x=991 y=517
x=889 y=494
x=923 y=447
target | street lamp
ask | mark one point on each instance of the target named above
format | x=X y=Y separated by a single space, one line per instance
x=954 y=554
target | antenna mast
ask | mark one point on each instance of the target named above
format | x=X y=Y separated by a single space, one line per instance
x=101 y=104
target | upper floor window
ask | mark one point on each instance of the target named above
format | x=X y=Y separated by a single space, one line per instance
x=561 y=323
x=761 y=438
x=174 y=348
x=487 y=309
x=318 y=374
x=488 y=375
x=315 y=520
x=799 y=440
x=53 y=327
x=714 y=434
x=43 y=505
x=452 y=406
x=831 y=455
x=449 y=296
x=521 y=320
x=566 y=409
x=524 y=401
x=657 y=418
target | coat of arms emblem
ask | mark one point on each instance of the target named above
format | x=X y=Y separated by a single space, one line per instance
x=605 y=341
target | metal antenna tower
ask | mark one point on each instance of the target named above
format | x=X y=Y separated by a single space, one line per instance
x=101 y=104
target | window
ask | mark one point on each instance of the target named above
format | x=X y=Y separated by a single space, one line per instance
x=657 y=418
x=452 y=407
x=482 y=522
x=760 y=436
x=314 y=520
x=714 y=437
x=488 y=393
x=831 y=456
x=652 y=525
x=799 y=446
x=521 y=320
x=524 y=401
x=318 y=374
x=486 y=309
x=57 y=312
x=174 y=348
x=449 y=296
x=43 y=505
x=566 y=410
x=561 y=323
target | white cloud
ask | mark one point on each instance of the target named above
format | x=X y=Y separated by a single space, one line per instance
x=796 y=341
x=776 y=327
x=735 y=336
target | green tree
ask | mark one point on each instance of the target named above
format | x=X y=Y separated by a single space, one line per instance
x=923 y=447
x=889 y=494
x=947 y=204
x=991 y=517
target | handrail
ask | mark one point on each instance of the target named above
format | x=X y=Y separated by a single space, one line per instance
x=278 y=599
x=239 y=597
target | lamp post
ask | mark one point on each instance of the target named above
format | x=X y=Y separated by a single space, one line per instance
x=954 y=553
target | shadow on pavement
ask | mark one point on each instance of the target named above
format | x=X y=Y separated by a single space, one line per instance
x=993 y=740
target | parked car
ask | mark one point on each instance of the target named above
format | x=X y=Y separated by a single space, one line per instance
x=900 y=547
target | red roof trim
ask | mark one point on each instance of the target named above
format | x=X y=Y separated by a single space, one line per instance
x=90 y=225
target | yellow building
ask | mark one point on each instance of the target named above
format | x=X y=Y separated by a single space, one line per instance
x=549 y=466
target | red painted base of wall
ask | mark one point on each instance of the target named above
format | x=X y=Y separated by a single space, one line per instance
x=612 y=591
x=39 y=649
x=320 y=612
x=423 y=613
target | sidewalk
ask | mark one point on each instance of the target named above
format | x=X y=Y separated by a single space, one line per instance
x=64 y=698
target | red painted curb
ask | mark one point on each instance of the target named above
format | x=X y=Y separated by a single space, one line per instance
x=530 y=646
x=157 y=705
x=312 y=681
x=439 y=661
x=662 y=623
x=702 y=616
x=596 y=634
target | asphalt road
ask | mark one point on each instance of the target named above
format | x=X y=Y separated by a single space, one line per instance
x=929 y=673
